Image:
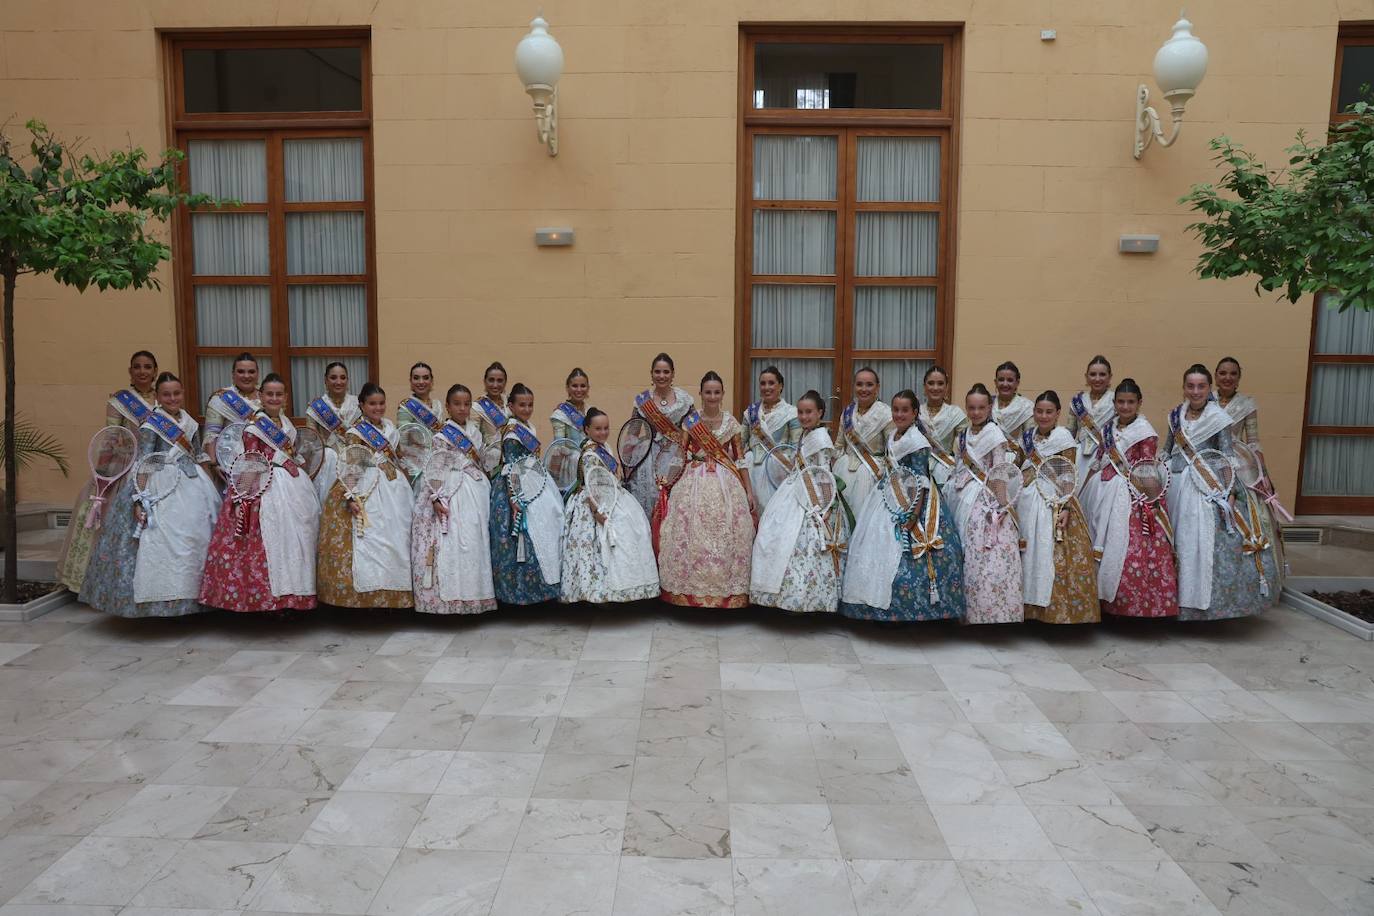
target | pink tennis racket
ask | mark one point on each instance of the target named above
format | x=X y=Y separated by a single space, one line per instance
x=111 y=453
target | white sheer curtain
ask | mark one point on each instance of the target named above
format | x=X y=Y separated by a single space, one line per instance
x=233 y=316
x=217 y=372
x=894 y=317
x=899 y=169
x=307 y=378
x=895 y=375
x=323 y=170
x=1341 y=394
x=230 y=244
x=790 y=167
x=793 y=315
x=895 y=244
x=1339 y=466
x=328 y=316
x=794 y=242
x=229 y=168
x=1344 y=333
x=325 y=243
x=799 y=376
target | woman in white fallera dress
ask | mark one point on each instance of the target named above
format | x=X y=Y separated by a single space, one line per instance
x=1244 y=414
x=797 y=551
x=364 y=555
x=421 y=407
x=940 y=422
x=664 y=405
x=569 y=418
x=864 y=427
x=768 y=422
x=450 y=550
x=608 y=553
x=330 y=415
x=235 y=404
x=490 y=409
x=1090 y=411
x=1012 y=412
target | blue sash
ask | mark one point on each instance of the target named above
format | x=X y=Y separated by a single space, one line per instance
x=372 y=436
x=527 y=438
x=325 y=414
x=235 y=402
x=493 y=413
x=606 y=458
x=455 y=435
x=1176 y=419
x=276 y=436
x=421 y=412
x=574 y=415
x=847 y=418
x=131 y=405
x=168 y=430
x=1028 y=441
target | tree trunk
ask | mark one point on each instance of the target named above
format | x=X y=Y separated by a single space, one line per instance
x=10 y=518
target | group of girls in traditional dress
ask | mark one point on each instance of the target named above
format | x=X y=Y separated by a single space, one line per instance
x=911 y=513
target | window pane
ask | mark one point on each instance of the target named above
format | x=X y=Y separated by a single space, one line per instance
x=233 y=316
x=896 y=375
x=325 y=243
x=794 y=168
x=1344 y=333
x=319 y=170
x=1342 y=395
x=894 y=317
x=856 y=75
x=273 y=79
x=217 y=372
x=896 y=244
x=1339 y=466
x=799 y=376
x=307 y=378
x=230 y=244
x=1357 y=69
x=229 y=168
x=899 y=168
x=793 y=316
x=328 y=316
x=798 y=242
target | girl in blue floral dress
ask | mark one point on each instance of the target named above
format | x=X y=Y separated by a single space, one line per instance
x=528 y=572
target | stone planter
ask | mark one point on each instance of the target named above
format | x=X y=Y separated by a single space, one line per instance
x=29 y=610
x=1294 y=596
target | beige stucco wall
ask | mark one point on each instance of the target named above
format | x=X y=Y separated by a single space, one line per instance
x=646 y=175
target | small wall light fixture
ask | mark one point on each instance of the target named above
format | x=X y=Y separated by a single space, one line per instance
x=1180 y=65
x=539 y=63
x=1138 y=244
x=553 y=237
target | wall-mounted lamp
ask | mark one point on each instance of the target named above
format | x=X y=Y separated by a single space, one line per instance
x=1179 y=66
x=539 y=62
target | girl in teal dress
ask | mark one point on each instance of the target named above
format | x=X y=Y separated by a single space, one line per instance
x=529 y=575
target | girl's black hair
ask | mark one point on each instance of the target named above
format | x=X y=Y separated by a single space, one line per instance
x=457 y=388
x=163 y=378
x=272 y=377
x=871 y=371
x=245 y=357
x=1007 y=366
x=147 y=353
x=711 y=376
x=773 y=371
x=591 y=414
x=1198 y=369
x=369 y=390
x=1053 y=397
x=421 y=366
x=906 y=394
x=332 y=365
x=576 y=373
x=495 y=367
x=662 y=358
x=1129 y=386
x=933 y=369
x=518 y=389
x=1099 y=359
x=979 y=388
x=1220 y=362
x=815 y=398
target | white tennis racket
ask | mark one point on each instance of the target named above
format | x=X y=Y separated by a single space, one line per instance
x=1055 y=480
x=669 y=463
x=229 y=445
x=1214 y=475
x=602 y=493
x=560 y=460
x=1250 y=472
x=525 y=480
x=309 y=451
x=413 y=445
x=435 y=477
x=155 y=477
x=633 y=442
x=358 y=475
x=111 y=454
x=780 y=462
x=815 y=492
x=249 y=478
x=1149 y=482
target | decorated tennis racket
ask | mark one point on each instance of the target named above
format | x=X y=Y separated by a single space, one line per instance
x=358 y=475
x=155 y=477
x=309 y=451
x=633 y=442
x=903 y=492
x=603 y=491
x=1214 y=475
x=779 y=463
x=435 y=477
x=668 y=464
x=526 y=480
x=901 y=489
x=560 y=460
x=1250 y=472
x=228 y=446
x=1004 y=483
x=111 y=453
x=1149 y=481
x=413 y=445
x=1055 y=480
x=249 y=478
x=815 y=493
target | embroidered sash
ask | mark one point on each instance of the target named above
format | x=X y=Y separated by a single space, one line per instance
x=607 y=458
x=936 y=448
x=698 y=432
x=754 y=415
x=420 y=411
x=522 y=433
x=919 y=532
x=279 y=440
x=575 y=416
x=130 y=406
x=851 y=435
x=1083 y=412
x=169 y=431
x=320 y=411
x=230 y=398
x=494 y=415
x=644 y=403
x=374 y=437
x=458 y=439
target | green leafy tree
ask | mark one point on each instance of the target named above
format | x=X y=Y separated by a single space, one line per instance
x=1302 y=230
x=83 y=221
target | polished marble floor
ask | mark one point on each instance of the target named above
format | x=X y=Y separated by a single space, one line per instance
x=657 y=761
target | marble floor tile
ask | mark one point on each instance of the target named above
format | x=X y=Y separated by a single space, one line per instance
x=602 y=702
x=398 y=770
x=1152 y=781
x=902 y=677
x=165 y=812
x=487 y=824
x=100 y=871
x=212 y=875
x=757 y=676
x=44 y=758
x=377 y=696
x=981 y=782
x=677 y=830
x=688 y=735
x=1191 y=676
x=1153 y=706
x=919 y=707
x=547 y=884
x=972 y=677
x=998 y=832
x=838 y=677
x=1092 y=833
x=1121 y=888
x=1281 y=741
x=1323 y=706
x=465 y=670
x=421 y=644
x=326 y=879
x=782 y=831
x=217 y=764
x=261 y=724
x=617 y=647
x=1308 y=836
x=524 y=700
x=889 y=887
x=366 y=819
x=1246 y=782
x=221 y=690
x=306 y=769
x=1025 y=888
x=67 y=808
x=868 y=781
x=513 y=734
x=1049 y=675
x=1353 y=739
x=591 y=672
x=1258 y=889
x=1350 y=889
x=346 y=727
x=998 y=706
x=490 y=773
x=769 y=780
x=679 y=779
x=585 y=776
x=887 y=832
x=1058 y=782
x=1074 y=708
x=1026 y=741
x=264 y=816
x=25 y=857
x=257 y=663
x=296 y=691
x=558 y=825
x=537 y=672
x=796 y=887
x=1332 y=783
x=594 y=736
x=852 y=740
x=461 y=883
x=674 y=887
